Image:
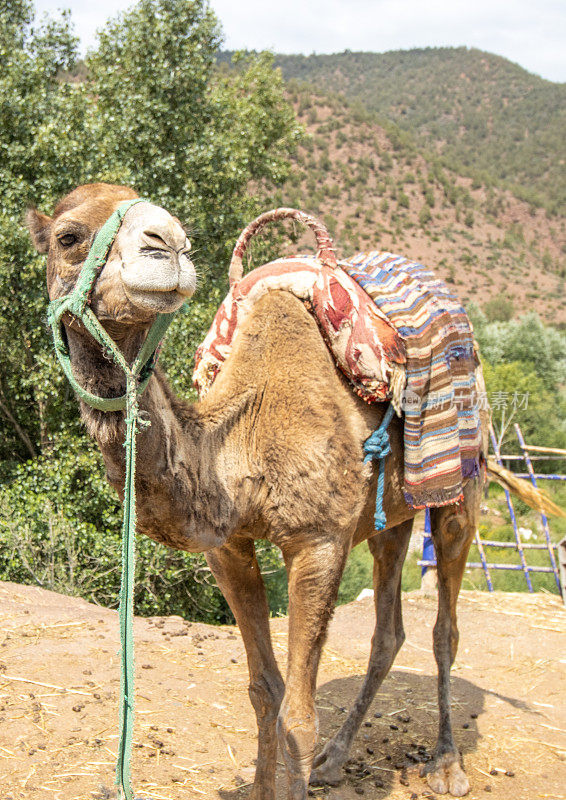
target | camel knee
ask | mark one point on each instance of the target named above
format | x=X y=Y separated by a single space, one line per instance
x=297 y=734
x=389 y=634
x=445 y=639
x=399 y=629
x=385 y=646
x=266 y=693
x=454 y=536
x=454 y=639
x=440 y=638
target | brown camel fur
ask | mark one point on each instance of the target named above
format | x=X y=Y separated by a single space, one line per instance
x=273 y=452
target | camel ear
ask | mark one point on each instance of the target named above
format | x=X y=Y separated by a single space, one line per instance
x=39 y=226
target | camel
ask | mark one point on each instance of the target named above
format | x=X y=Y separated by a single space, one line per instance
x=274 y=451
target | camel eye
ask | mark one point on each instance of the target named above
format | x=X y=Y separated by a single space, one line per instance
x=67 y=239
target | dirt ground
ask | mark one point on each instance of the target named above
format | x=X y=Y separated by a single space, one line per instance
x=195 y=730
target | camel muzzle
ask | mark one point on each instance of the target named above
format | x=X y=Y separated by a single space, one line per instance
x=157 y=272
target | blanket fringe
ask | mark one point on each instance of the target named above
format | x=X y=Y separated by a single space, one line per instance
x=397 y=383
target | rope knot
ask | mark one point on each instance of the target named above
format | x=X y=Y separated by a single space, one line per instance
x=143 y=419
x=376 y=447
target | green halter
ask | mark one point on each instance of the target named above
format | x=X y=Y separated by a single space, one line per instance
x=76 y=304
x=137 y=377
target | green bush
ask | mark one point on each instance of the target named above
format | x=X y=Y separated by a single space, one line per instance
x=499 y=309
x=358 y=574
x=156 y=111
x=60 y=526
x=425 y=215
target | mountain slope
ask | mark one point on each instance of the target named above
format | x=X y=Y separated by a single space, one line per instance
x=374 y=190
x=486 y=116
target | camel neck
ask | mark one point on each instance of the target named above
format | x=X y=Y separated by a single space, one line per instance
x=183 y=500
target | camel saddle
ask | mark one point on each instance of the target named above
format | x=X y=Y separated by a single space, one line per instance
x=398 y=334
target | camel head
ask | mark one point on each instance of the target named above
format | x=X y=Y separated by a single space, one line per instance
x=148 y=270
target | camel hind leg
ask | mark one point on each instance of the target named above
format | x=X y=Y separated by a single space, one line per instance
x=388 y=549
x=453 y=529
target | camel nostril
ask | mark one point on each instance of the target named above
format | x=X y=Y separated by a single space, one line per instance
x=155 y=238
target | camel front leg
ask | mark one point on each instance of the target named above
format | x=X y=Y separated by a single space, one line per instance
x=314 y=577
x=237 y=573
x=388 y=549
x=453 y=529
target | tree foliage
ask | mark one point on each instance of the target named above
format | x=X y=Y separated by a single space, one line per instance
x=184 y=133
x=541 y=348
x=524 y=365
x=41 y=147
x=156 y=112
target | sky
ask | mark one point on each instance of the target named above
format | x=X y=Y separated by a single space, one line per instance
x=531 y=33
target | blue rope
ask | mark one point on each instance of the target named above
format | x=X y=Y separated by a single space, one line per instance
x=376 y=447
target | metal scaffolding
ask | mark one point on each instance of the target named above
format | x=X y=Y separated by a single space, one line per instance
x=530 y=453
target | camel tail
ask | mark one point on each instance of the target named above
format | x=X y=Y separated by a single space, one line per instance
x=531 y=495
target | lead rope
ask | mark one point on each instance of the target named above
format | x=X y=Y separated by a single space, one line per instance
x=126 y=613
x=137 y=378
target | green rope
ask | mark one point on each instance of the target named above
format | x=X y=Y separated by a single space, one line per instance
x=75 y=304
x=127 y=692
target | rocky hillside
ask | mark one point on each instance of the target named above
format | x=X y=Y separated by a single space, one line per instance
x=486 y=116
x=376 y=189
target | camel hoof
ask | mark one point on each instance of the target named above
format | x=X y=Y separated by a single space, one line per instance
x=261 y=793
x=326 y=777
x=444 y=775
x=327 y=767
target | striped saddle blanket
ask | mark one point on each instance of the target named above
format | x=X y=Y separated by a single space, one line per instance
x=398 y=334
x=442 y=432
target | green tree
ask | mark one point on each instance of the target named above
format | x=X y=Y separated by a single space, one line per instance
x=157 y=113
x=43 y=150
x=208 y=143
x=184 y=133
x=541 y=348
x=518 y=395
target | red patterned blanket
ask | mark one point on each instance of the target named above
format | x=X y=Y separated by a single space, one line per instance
x=365 y=346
